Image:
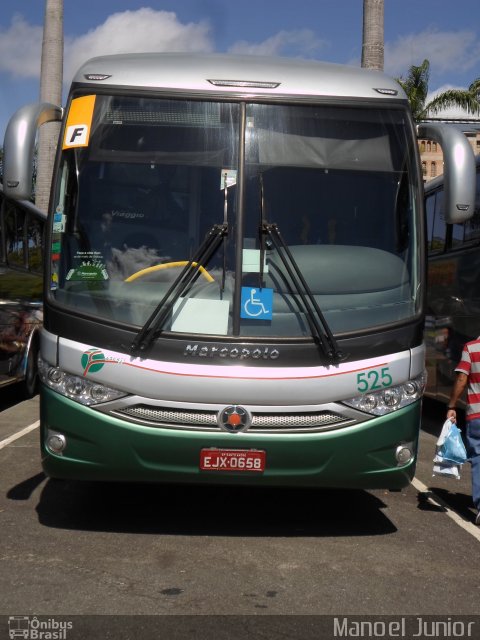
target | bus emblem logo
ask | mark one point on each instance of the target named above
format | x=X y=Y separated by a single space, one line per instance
x=92 y=361
x=234 y=419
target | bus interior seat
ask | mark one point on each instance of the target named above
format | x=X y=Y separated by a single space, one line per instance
x=341 y=270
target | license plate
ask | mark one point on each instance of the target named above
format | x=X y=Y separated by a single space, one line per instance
x=232 y=460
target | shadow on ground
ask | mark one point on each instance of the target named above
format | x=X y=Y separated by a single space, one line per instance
x=214 y=511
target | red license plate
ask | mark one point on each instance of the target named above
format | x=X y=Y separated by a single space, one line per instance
x=232 y=460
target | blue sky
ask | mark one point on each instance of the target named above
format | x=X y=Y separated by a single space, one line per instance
x=445 y=32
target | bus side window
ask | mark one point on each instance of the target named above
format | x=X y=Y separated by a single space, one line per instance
x=439 y=226
x=3 y=209
x=472 y=227
x=458 y=235
x=430 y=213
x=14 y=236
x=35 y=242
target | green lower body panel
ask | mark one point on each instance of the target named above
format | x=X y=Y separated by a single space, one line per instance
x=101 y=447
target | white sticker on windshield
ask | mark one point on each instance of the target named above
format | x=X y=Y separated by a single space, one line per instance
x=195 y=315
x=251 y=261
x=228 y=178
x=59 y=221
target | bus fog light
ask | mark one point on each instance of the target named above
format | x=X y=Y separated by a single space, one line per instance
x=404 y=454
x=56 y=442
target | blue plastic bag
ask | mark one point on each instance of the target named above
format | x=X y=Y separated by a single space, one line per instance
x=450 y=452
x=453 y=449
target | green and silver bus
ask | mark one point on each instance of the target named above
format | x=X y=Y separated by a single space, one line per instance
x=453 y=302
x=234 y=285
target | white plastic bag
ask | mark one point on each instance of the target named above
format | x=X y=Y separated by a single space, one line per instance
x=448 y=470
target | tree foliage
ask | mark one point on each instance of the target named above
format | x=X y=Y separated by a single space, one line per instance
x=415 y=86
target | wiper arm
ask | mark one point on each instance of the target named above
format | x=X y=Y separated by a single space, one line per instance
x=154 y=324
x=315 y=317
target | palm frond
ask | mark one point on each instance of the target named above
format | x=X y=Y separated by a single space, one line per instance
x=454 y=98
x=415 y=86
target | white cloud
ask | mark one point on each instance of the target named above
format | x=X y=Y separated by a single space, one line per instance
x=142 y=30
x=128 y=32
x=20 y=48
x=145 y=30
x=446 y=51
x=295 y=42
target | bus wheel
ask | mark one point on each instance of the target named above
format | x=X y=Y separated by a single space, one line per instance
x=30 y=382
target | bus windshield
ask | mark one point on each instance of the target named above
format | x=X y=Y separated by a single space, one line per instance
x=135 y=200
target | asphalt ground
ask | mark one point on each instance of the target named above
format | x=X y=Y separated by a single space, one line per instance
x=218 y=559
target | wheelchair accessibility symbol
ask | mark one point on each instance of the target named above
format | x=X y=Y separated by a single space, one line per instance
x=257 y=304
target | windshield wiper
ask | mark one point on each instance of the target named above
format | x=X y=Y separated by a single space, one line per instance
x=155 y=322
x=316 y=320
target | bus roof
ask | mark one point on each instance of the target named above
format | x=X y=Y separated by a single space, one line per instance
x=244 y=75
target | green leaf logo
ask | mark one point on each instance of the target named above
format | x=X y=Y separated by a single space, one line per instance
x=92 y=361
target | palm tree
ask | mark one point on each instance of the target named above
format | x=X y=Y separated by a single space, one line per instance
x=415 y=86
x=51 y=80
x=373 y=34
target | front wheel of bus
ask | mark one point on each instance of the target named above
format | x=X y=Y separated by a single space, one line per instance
x=30 y=382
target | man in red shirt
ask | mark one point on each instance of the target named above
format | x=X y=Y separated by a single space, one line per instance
x=468 y=377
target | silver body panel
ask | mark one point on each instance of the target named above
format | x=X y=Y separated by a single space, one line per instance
x=19 y=147
x=459 y=184
x=239 y=384
x=193 y=73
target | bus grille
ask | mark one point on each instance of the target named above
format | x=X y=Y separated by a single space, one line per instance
x=207 y=420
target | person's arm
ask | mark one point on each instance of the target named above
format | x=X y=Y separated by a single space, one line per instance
x=459 y=387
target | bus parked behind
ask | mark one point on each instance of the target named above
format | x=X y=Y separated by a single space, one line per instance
x=21 y=292
x=453 y=302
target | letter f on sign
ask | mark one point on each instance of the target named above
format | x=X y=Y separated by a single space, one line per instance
x=76 y=136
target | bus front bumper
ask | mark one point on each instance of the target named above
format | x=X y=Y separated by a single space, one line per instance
x=101 y=447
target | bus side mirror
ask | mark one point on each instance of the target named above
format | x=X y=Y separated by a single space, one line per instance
x=19 y=147
x=459 y=170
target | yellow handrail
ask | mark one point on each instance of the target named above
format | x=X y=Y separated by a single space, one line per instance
x=169 y=265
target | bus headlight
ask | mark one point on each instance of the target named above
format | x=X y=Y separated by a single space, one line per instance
x=75 y=387
x=390 y=399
